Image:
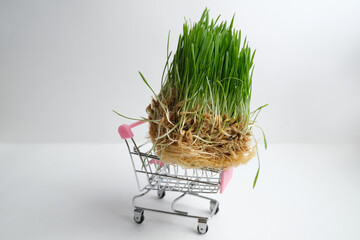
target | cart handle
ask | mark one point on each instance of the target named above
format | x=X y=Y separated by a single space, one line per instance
x=125 y=130
x=226 y=176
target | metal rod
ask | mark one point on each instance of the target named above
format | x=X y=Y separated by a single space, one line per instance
x=185 y=179
x=133 y=164
x=146 y=155
x=173 y=213
x=175 y=200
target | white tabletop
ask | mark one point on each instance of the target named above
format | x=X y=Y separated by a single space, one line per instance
x=84 y=191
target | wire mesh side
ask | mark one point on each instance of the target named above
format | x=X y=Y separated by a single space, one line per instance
x=156 y=174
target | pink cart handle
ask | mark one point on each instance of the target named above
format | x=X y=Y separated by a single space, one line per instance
x=226 y=176
x=125 y=130
x=136 y=124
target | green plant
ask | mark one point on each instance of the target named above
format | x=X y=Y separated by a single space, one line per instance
x=212 y=68
x=202 y=117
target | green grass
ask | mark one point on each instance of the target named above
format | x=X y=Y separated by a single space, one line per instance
x=212 y=67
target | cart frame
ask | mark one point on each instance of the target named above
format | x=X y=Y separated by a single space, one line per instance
x=163 y=177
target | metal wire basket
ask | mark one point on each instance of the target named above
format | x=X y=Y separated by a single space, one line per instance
x=154 y=174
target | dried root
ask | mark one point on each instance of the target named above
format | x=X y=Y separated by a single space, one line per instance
x=199 y=141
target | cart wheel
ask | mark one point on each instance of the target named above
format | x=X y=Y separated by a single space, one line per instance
x=202 y=230
x=212 y=205
x=202 y=226
x=217 y=210
x=161 y=193
x=139 y=215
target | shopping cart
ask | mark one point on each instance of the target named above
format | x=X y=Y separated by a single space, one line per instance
x=153 y=174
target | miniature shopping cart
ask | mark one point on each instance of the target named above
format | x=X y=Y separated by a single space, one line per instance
x=153 y=174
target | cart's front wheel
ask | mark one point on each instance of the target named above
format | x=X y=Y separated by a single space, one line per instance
x=139 y=215
x=202 y=226
x=202 y=230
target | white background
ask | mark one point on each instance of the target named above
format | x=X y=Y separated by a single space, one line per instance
x=65 y=65
x=84 y=191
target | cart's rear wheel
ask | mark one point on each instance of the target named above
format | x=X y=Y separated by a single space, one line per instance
x=217 y=210
x=161 y=193
x=213 y=205
x=139 y=215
